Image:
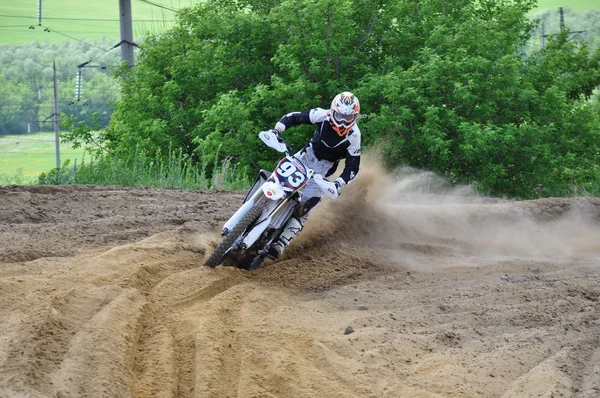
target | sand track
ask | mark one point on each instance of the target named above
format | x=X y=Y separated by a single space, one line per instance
x=102 y=295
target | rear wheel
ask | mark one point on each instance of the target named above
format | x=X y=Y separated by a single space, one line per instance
x=218 y=255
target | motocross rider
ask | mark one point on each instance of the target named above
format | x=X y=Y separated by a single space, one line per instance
x=336 y=137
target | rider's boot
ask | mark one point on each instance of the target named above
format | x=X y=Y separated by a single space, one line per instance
x=290 y=231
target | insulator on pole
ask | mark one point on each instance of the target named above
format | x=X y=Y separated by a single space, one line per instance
x=78 y=85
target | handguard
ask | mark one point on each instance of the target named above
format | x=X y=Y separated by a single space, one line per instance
x=272 y=141
x=327 y=187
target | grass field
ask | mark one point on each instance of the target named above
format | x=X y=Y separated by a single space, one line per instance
x=81 y=19
x=24 y=157
x=94 y=19
x=577 y=5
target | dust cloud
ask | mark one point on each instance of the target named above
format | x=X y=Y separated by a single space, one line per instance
x=410 y=207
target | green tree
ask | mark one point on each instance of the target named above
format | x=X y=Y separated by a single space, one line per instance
x=476 y=109
x=30 y=68
x=14 y=105
x=446 y=85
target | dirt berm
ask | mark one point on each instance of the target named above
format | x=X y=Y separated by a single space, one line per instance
x=387 y=293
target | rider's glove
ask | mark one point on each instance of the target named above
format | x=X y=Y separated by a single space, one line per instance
x=338 y=187
x=276 y=132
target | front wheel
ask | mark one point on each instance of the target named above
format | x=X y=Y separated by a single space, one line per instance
x=218 y=255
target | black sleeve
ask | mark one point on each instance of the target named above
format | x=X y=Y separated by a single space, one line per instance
x=295 y=118
x=351 y=169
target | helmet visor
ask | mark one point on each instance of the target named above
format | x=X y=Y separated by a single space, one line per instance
x=346 y=119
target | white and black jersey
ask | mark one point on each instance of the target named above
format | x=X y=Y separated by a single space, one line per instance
x=326 y=143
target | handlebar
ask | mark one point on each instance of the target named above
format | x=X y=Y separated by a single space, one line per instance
x=274 y=141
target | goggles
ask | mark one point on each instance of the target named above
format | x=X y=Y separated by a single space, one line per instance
x=344 y=118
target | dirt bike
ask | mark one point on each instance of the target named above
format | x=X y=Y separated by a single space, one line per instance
x=273 y=199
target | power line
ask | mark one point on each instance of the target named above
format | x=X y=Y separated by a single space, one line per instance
x=71 y=31
x=98 y=56
x=83 y=19
x=158 y=5
x=46 y=29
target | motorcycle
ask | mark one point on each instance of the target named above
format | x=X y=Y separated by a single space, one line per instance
x=273 y=199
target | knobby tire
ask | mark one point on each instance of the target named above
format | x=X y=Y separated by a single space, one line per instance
x=218 y=255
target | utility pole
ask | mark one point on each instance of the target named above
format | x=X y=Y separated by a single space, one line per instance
x=572 y=34
x=562 y=18
x=56 y=131
x=126 y=43
x=543 y=39
x=39 y=12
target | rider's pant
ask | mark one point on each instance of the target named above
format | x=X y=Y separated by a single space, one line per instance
x=312 y=193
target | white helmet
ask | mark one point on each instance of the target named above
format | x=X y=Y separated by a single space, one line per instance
x=345 y=109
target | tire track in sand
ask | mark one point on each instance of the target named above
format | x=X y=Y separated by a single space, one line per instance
x=220 y=325
x=439 y=307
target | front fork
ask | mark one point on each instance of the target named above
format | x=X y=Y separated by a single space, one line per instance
x=241 y=212
x=262 y=225
x=257 y=230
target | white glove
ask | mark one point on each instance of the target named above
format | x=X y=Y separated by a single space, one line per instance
x=338 y=187
x=331 y=189
x=271 y=139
